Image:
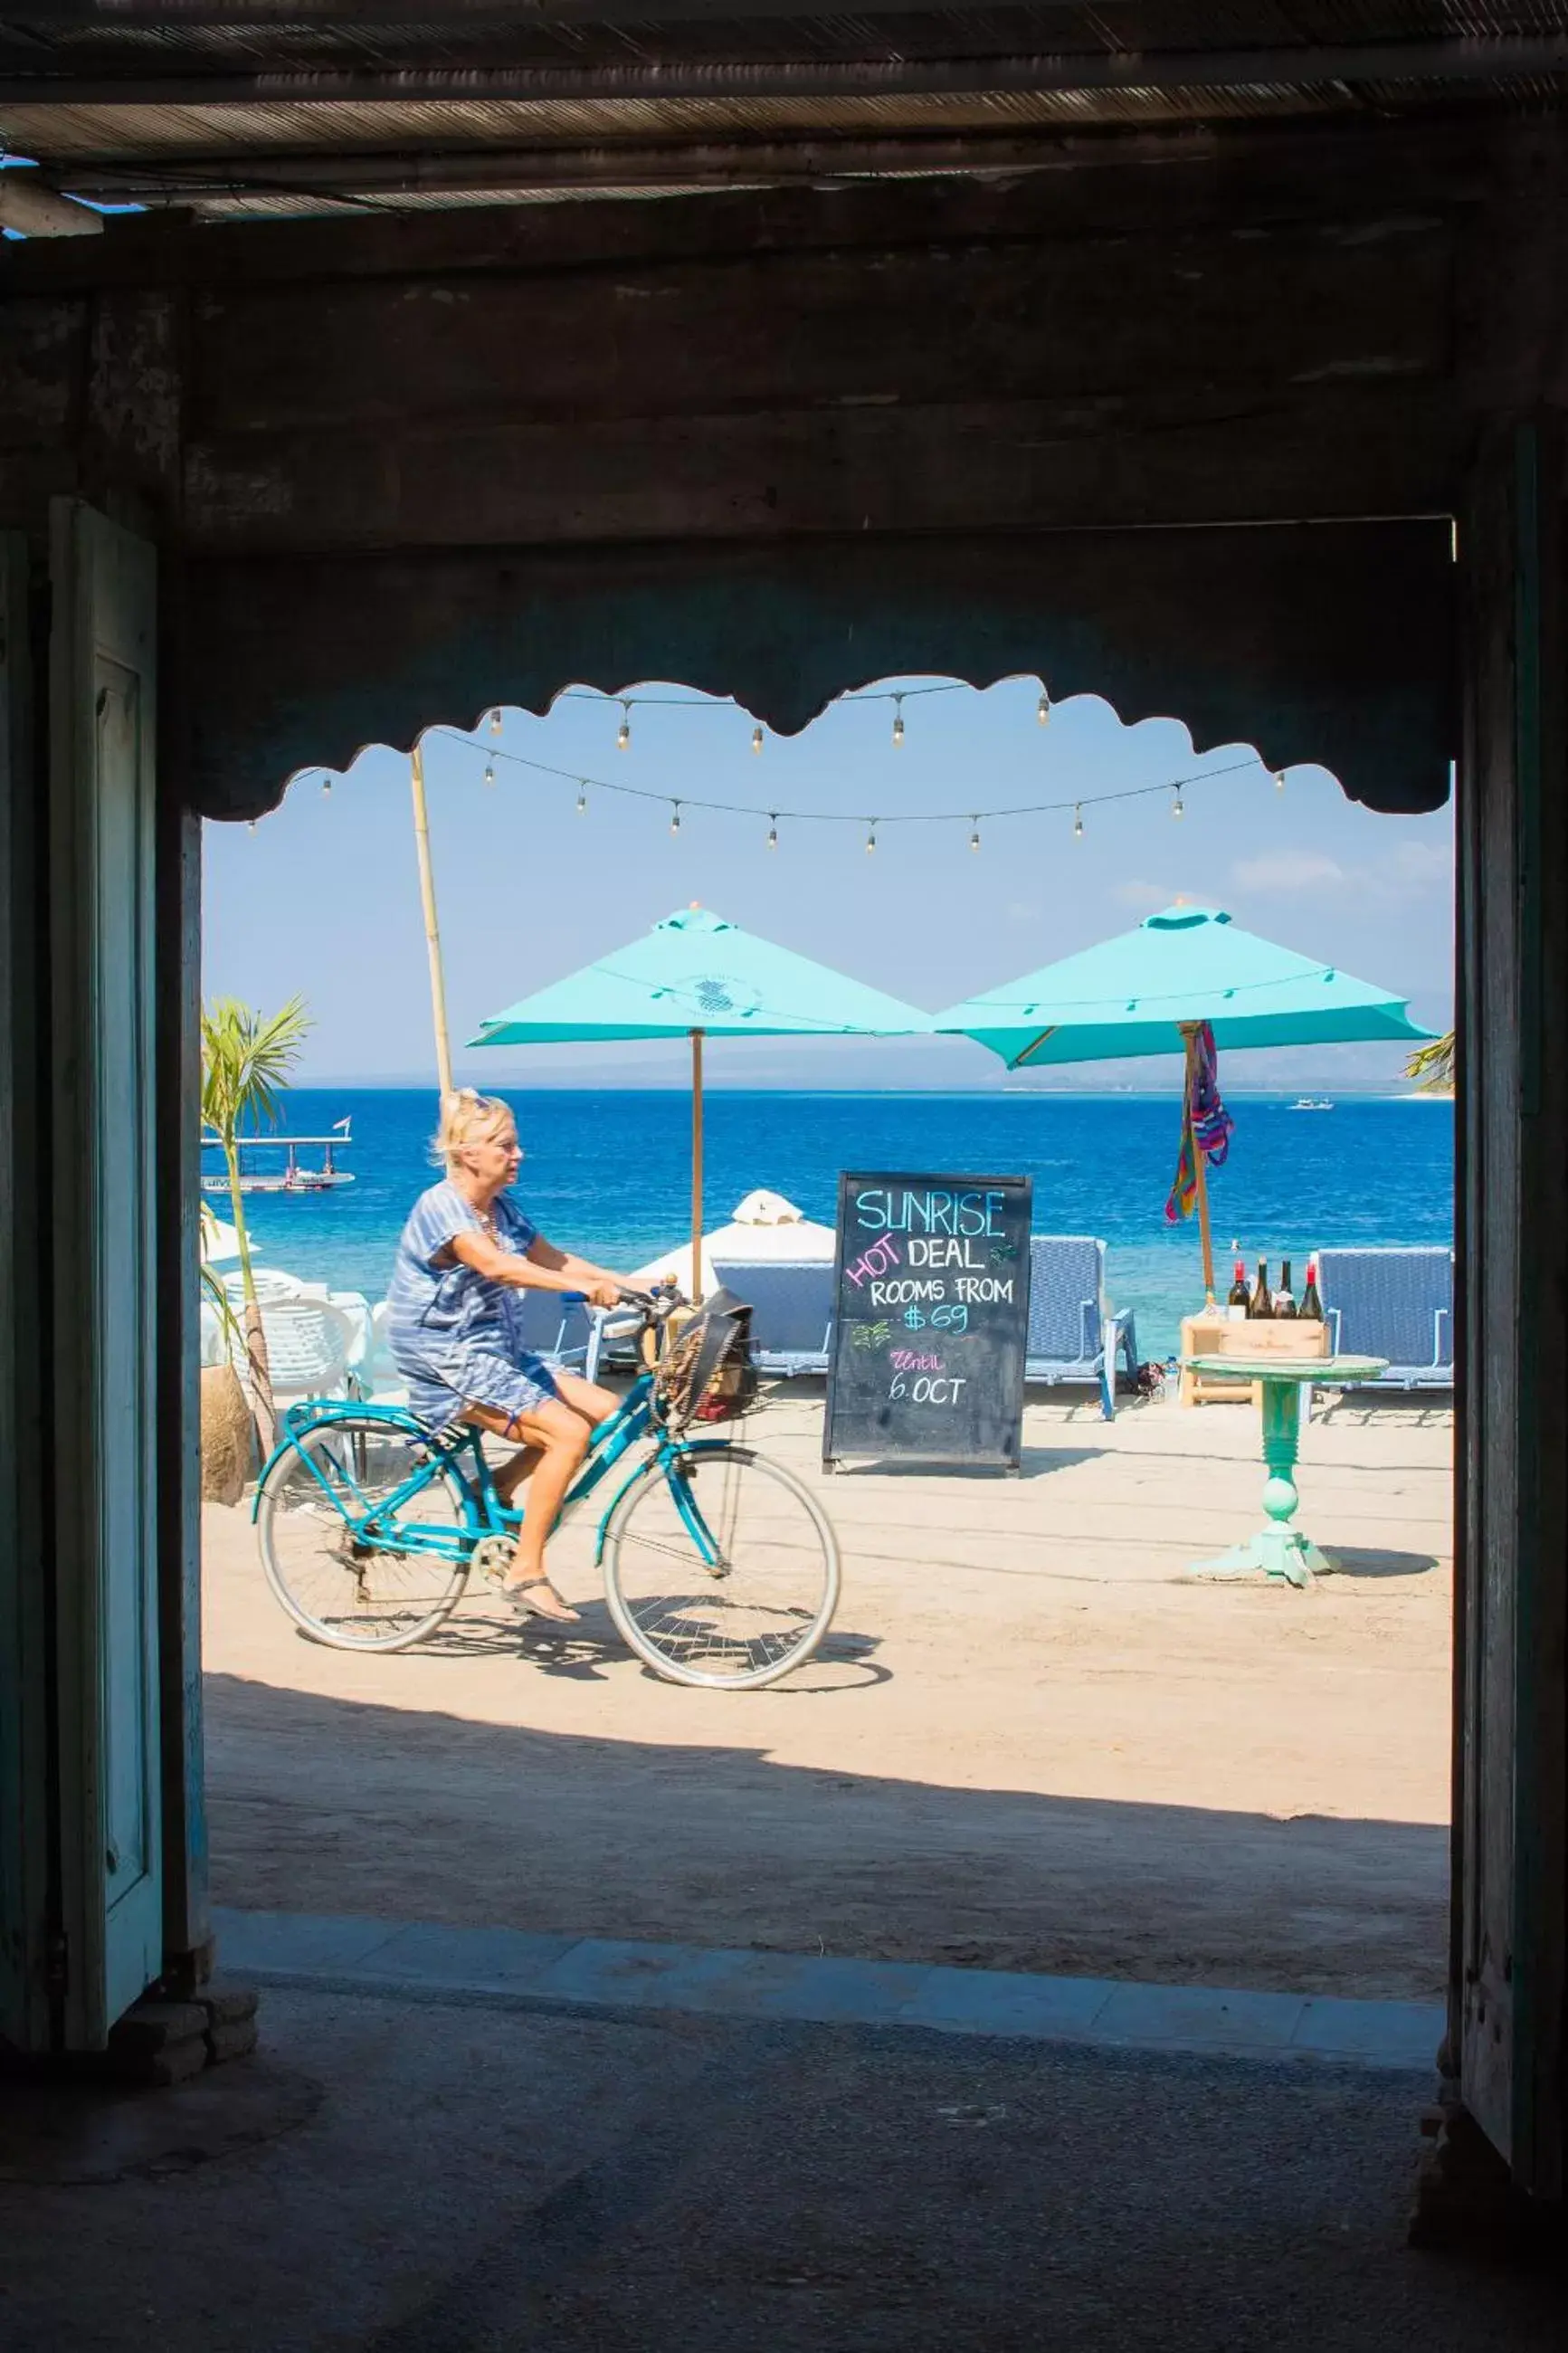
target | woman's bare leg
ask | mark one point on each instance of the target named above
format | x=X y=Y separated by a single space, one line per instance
x=508 y=1477
x=558 y=1439
x=595 y=1405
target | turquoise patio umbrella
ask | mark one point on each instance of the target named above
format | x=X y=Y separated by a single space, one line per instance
x=695 y=975
x=1147 y=991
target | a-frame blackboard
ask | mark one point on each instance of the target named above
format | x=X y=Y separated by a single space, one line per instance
x=930 y=1319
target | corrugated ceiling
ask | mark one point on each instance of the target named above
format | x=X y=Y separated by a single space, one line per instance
x=139 y=102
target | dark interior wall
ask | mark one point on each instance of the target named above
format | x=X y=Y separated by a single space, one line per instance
x=1331 y=643
x=779 y=443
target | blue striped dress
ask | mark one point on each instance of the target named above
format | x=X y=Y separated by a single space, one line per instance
x=453 y=1333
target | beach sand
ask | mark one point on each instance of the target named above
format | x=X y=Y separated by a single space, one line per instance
x=1026 y=1745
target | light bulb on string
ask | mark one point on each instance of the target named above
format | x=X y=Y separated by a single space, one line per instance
x=624 y=733
x=675 y=817
x=757 y=737
x=974 y=834
x=898 y=722
x=1043 y=709
x=1078 y=820
x=773 y=828
x=872 y=840
x=1279 y=780
x=489 y=774
x=582 y=798
x=495 y=722
x=1177 y=806
x=326 y=784
x=251 y=827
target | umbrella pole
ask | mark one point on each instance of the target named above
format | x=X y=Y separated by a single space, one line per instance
x=432 y=929
x=1200 y=1172
x=697 y=1285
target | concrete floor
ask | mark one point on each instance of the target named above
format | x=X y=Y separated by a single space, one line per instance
x=472 y=2178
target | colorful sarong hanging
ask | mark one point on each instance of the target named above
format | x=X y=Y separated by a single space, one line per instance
x=1207 y=1126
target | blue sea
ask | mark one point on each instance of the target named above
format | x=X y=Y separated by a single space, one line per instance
x=608 y=1172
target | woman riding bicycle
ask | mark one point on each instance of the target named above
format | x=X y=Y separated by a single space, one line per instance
x=454 y=1328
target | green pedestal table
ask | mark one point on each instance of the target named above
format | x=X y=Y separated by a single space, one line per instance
x=1279 y=1550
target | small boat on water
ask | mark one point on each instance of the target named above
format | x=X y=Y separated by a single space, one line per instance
x=1311 y=1103
x=291 y=1178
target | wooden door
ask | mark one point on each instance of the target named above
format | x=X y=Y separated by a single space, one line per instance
x=1508 y=1955
x=101 y=1255
x=24 y=1918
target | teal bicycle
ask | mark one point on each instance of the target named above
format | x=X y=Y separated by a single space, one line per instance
x=720 y=1566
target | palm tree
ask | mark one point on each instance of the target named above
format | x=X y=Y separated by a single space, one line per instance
x=1432 y=1066
x=247 y=1060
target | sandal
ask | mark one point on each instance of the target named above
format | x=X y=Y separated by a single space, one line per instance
x=517 y=1596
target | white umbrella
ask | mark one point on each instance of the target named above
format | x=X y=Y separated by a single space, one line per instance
x=219 y=1239
x=766 y=1228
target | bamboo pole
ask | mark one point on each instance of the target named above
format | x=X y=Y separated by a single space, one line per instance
x=697 y=1285
x=432 y=928
x=1200 y=1173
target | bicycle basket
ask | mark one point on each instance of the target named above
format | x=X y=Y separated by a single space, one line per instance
x=707 y=1374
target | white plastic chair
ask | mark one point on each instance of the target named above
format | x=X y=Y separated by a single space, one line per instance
x=357 y=1308
x=308 y=1342
x=271 y=1282
x=375 y=1372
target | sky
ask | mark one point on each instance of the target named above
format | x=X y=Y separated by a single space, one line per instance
x=323 y=898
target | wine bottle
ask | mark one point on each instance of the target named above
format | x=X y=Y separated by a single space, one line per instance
x=1261 y=1304
x=1237 y=1303
x=1312 y=1301
x=1285 y=1298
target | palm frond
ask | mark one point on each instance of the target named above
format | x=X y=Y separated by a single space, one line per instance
x=247 y=1060
x=1432 y=1065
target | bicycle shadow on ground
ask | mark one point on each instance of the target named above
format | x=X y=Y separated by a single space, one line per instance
x=586 y=1651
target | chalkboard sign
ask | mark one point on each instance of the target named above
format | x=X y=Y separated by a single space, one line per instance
x=930 y=1318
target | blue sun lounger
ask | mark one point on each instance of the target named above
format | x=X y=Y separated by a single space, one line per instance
x=1073 y=1336
x=1397 y=1304
x=792 y=1311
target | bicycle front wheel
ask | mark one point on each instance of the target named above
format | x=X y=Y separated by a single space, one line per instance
x=720 y=1569
x=360 y=1529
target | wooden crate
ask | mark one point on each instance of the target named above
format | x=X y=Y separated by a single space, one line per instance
x=1213 y=1333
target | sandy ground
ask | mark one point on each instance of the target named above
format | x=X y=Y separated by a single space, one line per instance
x=1028 y=1744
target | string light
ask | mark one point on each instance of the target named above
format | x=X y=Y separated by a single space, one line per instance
x=1279 y=780
x=675 y=817
x=898 y=722
x=757 y=736
x=773 y=828
x=251 y=827
x=975 y=819
x=872 y=840
x=975 y=836
x=489 y=774
x=496 y=722
x=624 y=735
x=1043 y=709
x=326 y=784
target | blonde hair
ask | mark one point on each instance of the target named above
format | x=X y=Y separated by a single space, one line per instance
x=465 y=1116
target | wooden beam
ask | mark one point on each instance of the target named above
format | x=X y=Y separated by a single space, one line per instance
x=1283 y=66
x=964 y=319
x=1330 y=643
x=998 y=465
x=1234 y=178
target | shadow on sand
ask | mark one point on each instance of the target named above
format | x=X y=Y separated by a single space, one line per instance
x=320 y=1804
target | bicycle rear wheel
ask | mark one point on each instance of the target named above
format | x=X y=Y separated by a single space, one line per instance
x=759 y=1608
x=383 y=1591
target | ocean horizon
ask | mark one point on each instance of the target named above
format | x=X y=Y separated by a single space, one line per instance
x=608 y=1172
